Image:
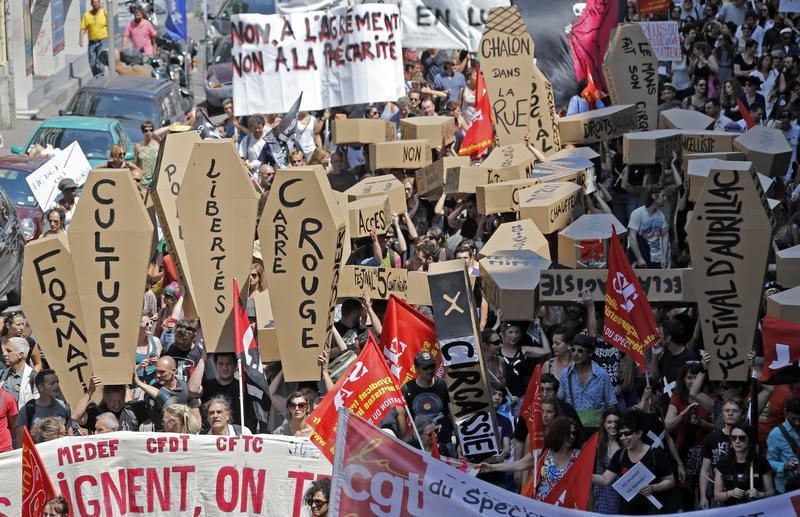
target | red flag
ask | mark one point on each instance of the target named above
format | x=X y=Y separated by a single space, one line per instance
x=480 y=134
x=591 y=93
x=405 y=333
x=532 y=410
x=367 y=388
x=572 y=490
x=37 y=487
x=435 y=446
x=748 y=118
x=781 y=351
x=629 y=322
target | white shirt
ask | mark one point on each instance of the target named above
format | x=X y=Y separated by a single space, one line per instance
x=250 y=149
x=304 y=136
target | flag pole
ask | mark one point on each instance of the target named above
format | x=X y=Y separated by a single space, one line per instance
x=414 y=427
x=241 y=391
x=535 y=470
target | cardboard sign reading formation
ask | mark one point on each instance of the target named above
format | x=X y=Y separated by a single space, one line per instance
x=465 y=180
x=447 y=24
x=266 y=333
x=438 y=131
x=729 y=234
x=302 y=232
x=516 y=236
x=679 y=118
x=700 y=141
x=558 y=286
x=332 y=57
x=515 y=156
x=459 y=343
x=430 y=179
x=651 y=147
x=549 y=205
x=664 y=39
x=217 y=206
x=787 y=267
x=506 y=56
x=69 y=162
x=509 y=280
x=382 y=282
x=542 y=126
x=384 y=185
x=586 y=231
x=363 y=131
x=109 y=240
x=596 y=125
x=767 y=148
x=369 y=213
x=631 y=72
x=403 y=154
x=501 y=197
x=53 y=308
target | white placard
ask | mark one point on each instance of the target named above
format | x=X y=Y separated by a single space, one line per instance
x=446 y=24
x=66 y=163
x=664 y=39
x=339 y=57
x=789 y=6
x=638 y=477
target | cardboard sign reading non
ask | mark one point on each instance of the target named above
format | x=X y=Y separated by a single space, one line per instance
x=787 y=267
x=588 y=227
x=515 y=156
x=369 y=213
x=509 y=280
x=266 y=333
x=384 y=185
x=516 y=236
x=785 y=305
x=767 y=148
x=542 y=125
x=465 y=180
x=651 y=147
x=729 y=234
x=501 y=197
x=430 y=179
x=302 y=233
x=217 y=207
x=631 y=72
x=549 y=205
x=439 y=131
x=363 y=131
x=506 y=56
x=596 y=125
x=53 y=308
x=109 y=240
x=679 y=118
x=701 y=141
x=403 y=154
x=662 y=286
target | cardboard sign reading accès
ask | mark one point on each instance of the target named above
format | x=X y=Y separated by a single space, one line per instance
x=542 y=125
x=515 y=156
x=596 y=125
x=363 y=131
x=767 y=148
x=517 y=236
x=509 y=281
x=506 y=56
x=631 y=72
x=679 y=118
x=729 y=233
x=661 y=286
x=53 y=308
x=787 y=267
x=266 y=333
x=500 y=197
x=109 y=240
x=549 y=205
x=217 y=208
x=369 y=213
x=785 y=305
x=465 y=180
x=402 y=154
x=439 y=131
x=701 y=141
x=302 y=234
x=651 y=147
x=384 y=185
x=586 y=228
x=430 y=179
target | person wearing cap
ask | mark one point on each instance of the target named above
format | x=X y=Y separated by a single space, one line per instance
x=585 y=385
x=427 y=396
x=67 y=199
x=788 y=45
x=751 y=99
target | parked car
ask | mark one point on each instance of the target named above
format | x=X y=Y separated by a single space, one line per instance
x=95 y=136
x=12 y=247
x=131 y=100
x=219 y=75
x=220 y=23
x=13 y=170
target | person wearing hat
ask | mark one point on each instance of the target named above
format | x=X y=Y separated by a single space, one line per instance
x=788 y=45
x=427 y=396
x=585 y=385
x=751 y=99
x=67 y=199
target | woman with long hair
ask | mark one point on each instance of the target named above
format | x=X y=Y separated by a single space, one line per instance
x=257 y=279
x=298 y=408
x=606 y=499
x=741 y=475
x=180 y=418
x=731 y=90
x=562 y=356
x=772 y=81
x=746 y=61
x=724 y=53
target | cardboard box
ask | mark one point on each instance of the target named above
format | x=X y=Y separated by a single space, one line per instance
x=430 y=179
x=767 y=148
x=785 y=305
x=787 y=266
x=574 y=152
x=517 y=236
x=266 y=333
x=419 y=292
x=509 y=281
x=515 y=156
x=651 y=147
x=679 y=118
x=542 y=124
x=631 y=72
x=698 y=171
x=369 y=213
x=549 y=172
x=661 y=286
x=577 y=243
x=438 y=131
x=501 y=197
x=596 y=125
x=549 y=205
x=465 y=180
x=730 y=156
x=701 y=141
x=383 y=185
x=363 y=131
x=403 y=154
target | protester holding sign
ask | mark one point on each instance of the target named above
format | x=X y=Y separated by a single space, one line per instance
x=740 y=475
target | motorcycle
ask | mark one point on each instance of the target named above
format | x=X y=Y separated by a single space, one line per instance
x=178 y=56
x=146 y=5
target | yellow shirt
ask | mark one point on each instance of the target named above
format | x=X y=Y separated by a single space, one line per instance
x=97 y=25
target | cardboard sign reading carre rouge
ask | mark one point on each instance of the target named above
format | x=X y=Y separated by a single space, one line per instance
x=369 y=213
x=266 y=333
x=459 y=342
x=679 y=118
x=217 y=207
x=109 y=239
x=729 y=234
x=403 y=154
x=53 y=308
x=509 y=280
x=516 y=236
x=651 y=147
x=549 y=205
x=501 y=197
x=430 y=179
x=506 y=56
x=767 y=148
x=437 y=130
x=698 y=141
x=631 y=72
x=515 y=156
x=385 y=185
x=785 y=305
x=669 y=286
x=363 y=131
x=542 y=125
x=302 y=234
x=588 y=227
x=465 y=180
x=787 y=267
x=596 y=125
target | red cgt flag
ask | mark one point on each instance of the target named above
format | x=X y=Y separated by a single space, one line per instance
x=367 y=388
x=480 y=134
x=406 y=332
x=781 y=351
x=532 y=410
x=36 y=485
x=629 y=322
x=572 y=490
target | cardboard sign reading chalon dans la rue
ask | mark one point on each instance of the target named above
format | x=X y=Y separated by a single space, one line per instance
x=729 y=235
x=584 y=243
x=631 y=72
x=506 y=56
x=542 y=126
x=217 y=206
x=109 y=240
x=509 y=280
x=430 y=179
x=302 y=233
x=596 y=125
x=52 y=304
x=549 y=205
x=516 y=236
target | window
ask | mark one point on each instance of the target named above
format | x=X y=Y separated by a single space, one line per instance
x=112 y=105
x=95 y=144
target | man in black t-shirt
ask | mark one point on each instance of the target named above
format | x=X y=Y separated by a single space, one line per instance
x=428 y=397
x=226 y=385
x=188 y=356
x=670 y=355
x=714 y=448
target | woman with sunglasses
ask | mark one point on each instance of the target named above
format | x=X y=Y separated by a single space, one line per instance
x=317 y=496
x=298 y=408
x=147 y=349
x=490 y=351
x=145 y=153
x=741 y=475
x=257 y=279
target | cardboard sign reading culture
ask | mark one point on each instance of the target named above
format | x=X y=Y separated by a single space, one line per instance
x=331 y=56
x=51 y=303
x=302 y=234
x=166 y=474
x=109 y=239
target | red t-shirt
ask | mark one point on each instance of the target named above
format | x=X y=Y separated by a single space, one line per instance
x=8 y=407
x=688 y=435
x=775 y=413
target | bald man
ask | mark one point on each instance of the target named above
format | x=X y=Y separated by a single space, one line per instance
x=169 y=389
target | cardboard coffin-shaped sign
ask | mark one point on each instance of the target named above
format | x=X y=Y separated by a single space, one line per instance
x=767 y=148
x=701 y=141
x=631 y=72
x=430 y=179
x=439 y=131
x=679 y=118
x=302 y=235
x=369 y=213
x=543 y=126
x=577 y=171
x=785 y=305
x=109 y=240
x=266 y=333
x=698 y=171
x=384 y=185
x=651 y=147
x=522 y=235
x=574 y=152
x=787 y=265
x=402 y=154
x=596 y=125
x=510 y=279
x=661 y=286
x=549 y=205
x=729 y=234
x=730 y=156
x=501 y=197
x=516 y=157
x=363 y=131
x=52 y=305
x=465 y=180
x=382 y=282
x=584 y=242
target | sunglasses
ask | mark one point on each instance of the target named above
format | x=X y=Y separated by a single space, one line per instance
x=626 y=433
x=576 y=350
x=298 y=405
x=738 y=438
x=316 y=503
x=496 y=342
x=147 y=130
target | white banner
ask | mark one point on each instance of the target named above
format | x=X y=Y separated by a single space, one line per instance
x=339 y=57
x=789 y=6
x=446 y=24
x=303 y=6
x=664 y=39
x=171 y=474
x=66 y=163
